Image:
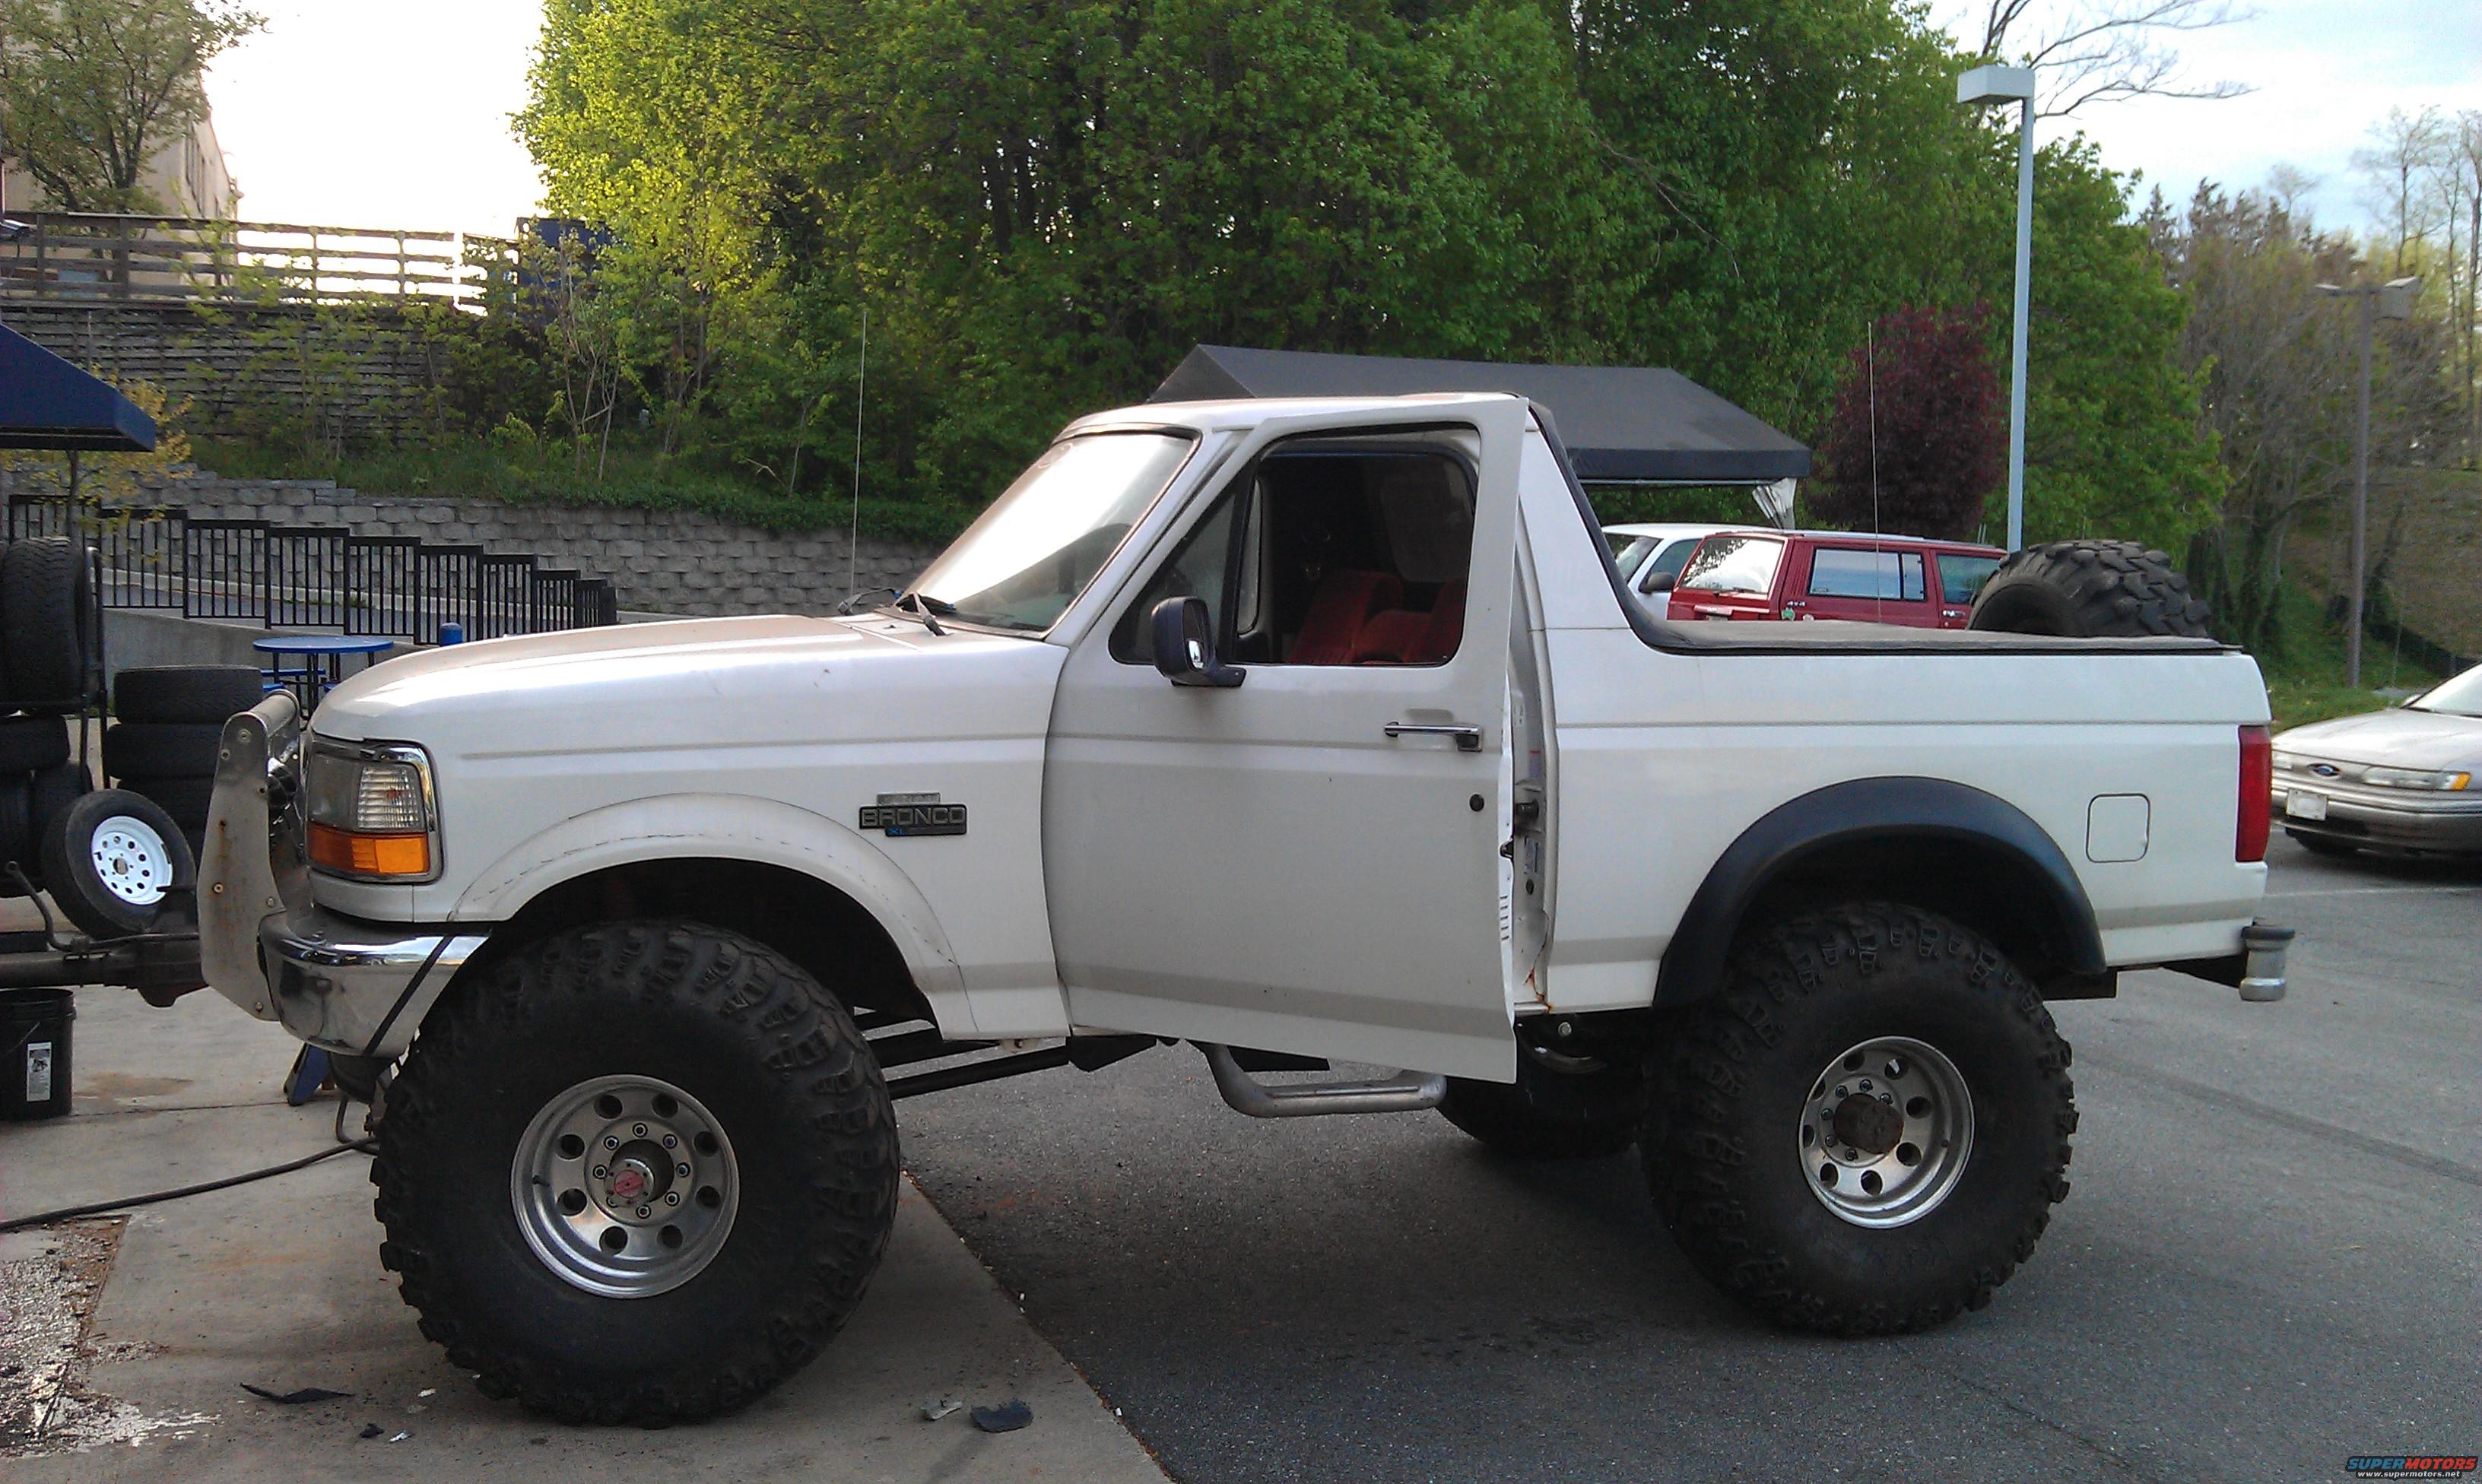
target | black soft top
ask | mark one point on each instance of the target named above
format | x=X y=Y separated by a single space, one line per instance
x=1622 y=423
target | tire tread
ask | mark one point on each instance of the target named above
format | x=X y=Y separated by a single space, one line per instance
x=806 y=1034
x=1692 y=1164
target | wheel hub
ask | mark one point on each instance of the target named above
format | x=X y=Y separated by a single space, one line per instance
x=1885 y=1131
x=131 y=860
x=1865 y=1123
x=624 y=1186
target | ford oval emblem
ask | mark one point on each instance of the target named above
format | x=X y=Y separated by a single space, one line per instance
x=2326 y=769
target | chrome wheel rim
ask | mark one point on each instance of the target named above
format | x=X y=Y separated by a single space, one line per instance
x=131 y=860
x=625 y=1186
x=1885 y=1131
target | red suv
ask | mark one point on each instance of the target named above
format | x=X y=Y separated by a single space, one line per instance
x=1833 y=574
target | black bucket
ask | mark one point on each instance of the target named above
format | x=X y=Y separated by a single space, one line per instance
x=34 y=1036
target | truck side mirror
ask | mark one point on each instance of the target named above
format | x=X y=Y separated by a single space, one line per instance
x=1661 y=582
x=1185 y=635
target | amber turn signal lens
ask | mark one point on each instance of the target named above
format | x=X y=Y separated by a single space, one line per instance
x=369 y=855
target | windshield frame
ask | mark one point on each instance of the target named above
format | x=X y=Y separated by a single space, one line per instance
x=1194 y=437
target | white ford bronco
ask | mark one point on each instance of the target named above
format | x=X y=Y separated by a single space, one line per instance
x=1300 y=731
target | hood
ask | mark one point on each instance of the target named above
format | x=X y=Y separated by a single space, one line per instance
x=691 y=683
x=2400 y=737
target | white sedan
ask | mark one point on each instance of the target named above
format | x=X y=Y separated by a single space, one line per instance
x=1652 y=555
x=2408 y=778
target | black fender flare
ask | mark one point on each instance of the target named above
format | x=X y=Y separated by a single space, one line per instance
x=1872 y=810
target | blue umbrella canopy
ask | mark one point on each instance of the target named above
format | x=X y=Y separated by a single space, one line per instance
x=46 y=402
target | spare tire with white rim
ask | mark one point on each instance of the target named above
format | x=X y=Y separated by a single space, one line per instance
x=111 y=858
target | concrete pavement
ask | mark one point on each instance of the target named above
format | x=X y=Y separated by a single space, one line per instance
x=132 y=1339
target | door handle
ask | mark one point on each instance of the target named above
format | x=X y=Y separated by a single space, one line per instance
x=1469 y=737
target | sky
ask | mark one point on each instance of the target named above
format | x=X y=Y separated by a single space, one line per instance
x=2323 y=70
x=386 y=113
x=380 y=113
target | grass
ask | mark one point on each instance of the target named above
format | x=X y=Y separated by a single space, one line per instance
x=2304 y=676
x=632 y=477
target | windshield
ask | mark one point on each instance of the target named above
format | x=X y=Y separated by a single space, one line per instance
x=1675 y=557
x=1027 y=557
x=1732 y=563
x=1626 y=556
x=2458 y=697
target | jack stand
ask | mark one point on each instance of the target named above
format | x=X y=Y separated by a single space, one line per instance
x=309 y=1074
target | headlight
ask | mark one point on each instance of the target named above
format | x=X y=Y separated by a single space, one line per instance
x=2287 y=762
x=371 y=811
x=2446 y=780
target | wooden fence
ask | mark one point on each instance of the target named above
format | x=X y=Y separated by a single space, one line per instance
x=86 y=257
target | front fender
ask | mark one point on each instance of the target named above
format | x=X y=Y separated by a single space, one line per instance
x=732 y=826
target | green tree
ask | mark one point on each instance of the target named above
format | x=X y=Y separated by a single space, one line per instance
x=1043 y=207
x=1919 y=437
x=91 y=90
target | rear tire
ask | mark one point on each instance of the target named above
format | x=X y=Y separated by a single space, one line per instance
x=1922 y=1196
x=498 y=1228
x=2089 y=589
x=1550 y=1113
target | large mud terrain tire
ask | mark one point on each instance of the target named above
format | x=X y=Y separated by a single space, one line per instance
x=1864 y=1131
x=640 y=1172
x=186 y=692
x=2089 y=589
x=1556 y=1110
x=46 y=617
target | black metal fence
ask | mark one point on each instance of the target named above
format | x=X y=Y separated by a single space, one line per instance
x=319 y=577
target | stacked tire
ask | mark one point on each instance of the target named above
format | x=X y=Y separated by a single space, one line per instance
x=168 y=726
x=108 y=859
x=47 y=672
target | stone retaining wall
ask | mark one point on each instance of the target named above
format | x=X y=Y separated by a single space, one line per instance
x=671 y=561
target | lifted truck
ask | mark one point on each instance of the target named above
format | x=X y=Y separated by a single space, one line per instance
x=1302 y=731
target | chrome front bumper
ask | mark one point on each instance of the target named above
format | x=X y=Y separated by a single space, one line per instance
x=355 y=986
x=335 y=981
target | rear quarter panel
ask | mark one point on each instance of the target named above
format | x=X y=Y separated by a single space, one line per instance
x=1663 y=759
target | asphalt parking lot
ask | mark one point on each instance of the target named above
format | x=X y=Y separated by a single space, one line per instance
x=2268 y=1263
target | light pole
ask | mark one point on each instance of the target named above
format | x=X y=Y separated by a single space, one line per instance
x=2388 y=301
x=1988 y=85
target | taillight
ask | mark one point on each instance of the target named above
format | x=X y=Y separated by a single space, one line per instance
x=2258 y=793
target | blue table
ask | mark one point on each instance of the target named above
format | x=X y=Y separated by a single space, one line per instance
x=323 y=657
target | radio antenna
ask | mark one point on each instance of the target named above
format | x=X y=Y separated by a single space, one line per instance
x=1870 y=364
x=862 y=388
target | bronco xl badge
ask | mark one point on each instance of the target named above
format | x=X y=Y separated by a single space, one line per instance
x=913 y=814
